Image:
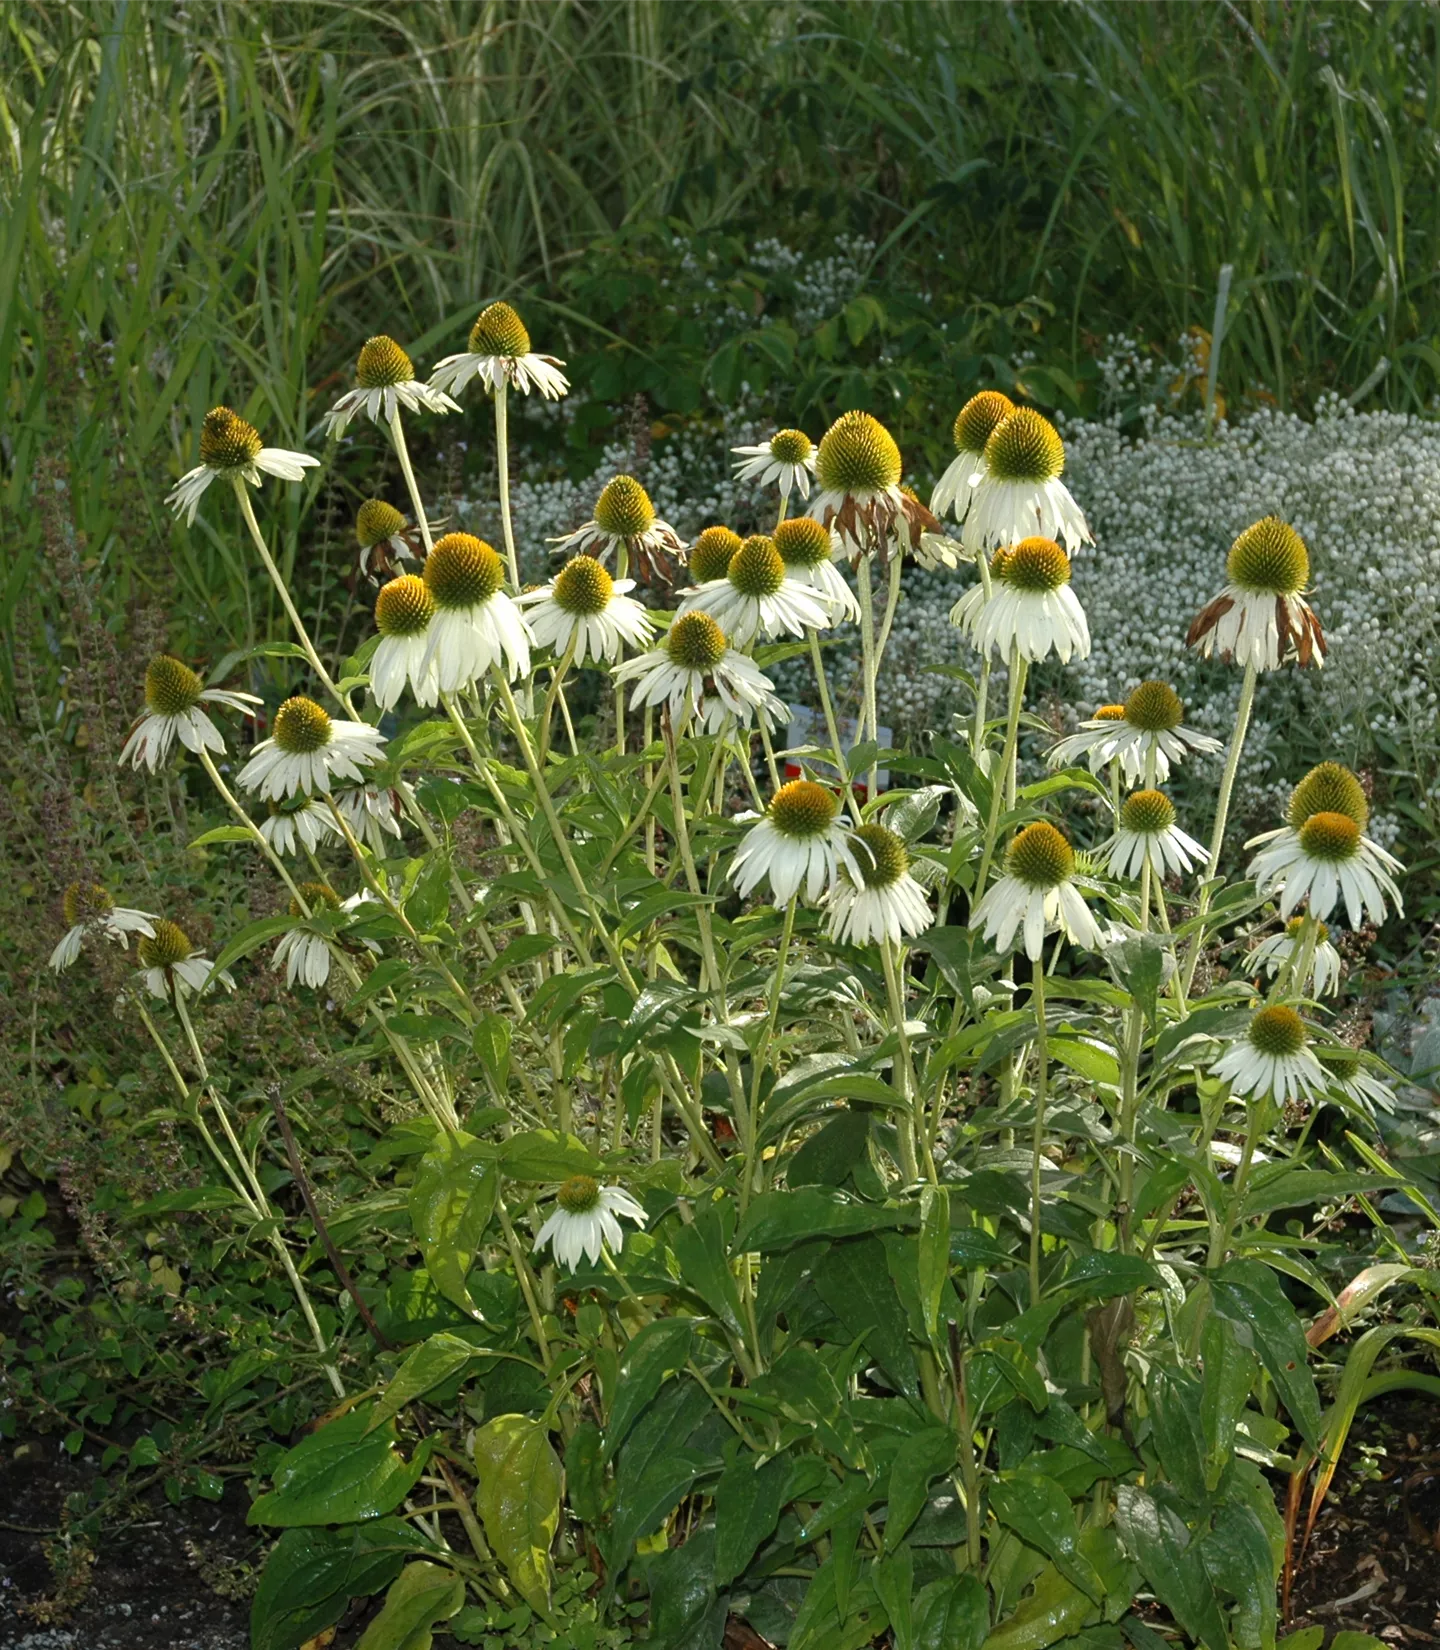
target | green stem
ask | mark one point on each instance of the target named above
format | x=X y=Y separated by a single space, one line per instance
x=1018 y=668
x=402 y=452
x=868 y=715
x=832 y=728
x=1222 y=815
x=242 y=492
x=911 y=1128
x=502 y=466
x=1037 y=1138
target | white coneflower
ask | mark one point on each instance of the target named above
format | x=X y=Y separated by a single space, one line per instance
x=1273 y=1057
x=1261 y=617
x=307 y=750
x=883 y=902
x=385 y=538
x=229 y=447
x=1035 y=895
x=974 y=424
x=858 y=471
x=757 y=598
x=786 y=460
x=695 y=672
x=301 y=822
x=1322 y=855
x=584 y=607
x=710 y=555
x=625 y=525
x=385 y=381
x=90 y=910
x=372 y=812
x=807 y=550
x=1147 y=725
x=476 y=625
x=174 y=695
x=1146 y=832
x=1350 y=1078
x=1031 y=606
x=800 y=842
x=172 y=964
x=1285 y=950
x=966 y=612
x=300 y=951
x=586 y=1221
x=403 y=611
x=500 y=353
x=1019 y=494
x=1327 y=859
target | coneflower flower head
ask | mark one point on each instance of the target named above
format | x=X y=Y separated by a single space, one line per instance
x=1018 y=493
x=757 y=597
x=1036 y=894
x=385 y=381
x=403 y=611
x=1261 y=617
x=175 y=700
x=1329 y=788
x=1031 y=607
x=89 y=909
x=857 y=466
x=711 y=552
x=231 y=449
x=1322 y=854
x=499 y=354
x=806 y=547
x=875 y=898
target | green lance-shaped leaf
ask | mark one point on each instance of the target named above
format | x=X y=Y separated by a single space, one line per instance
x=339 y=1474
x=656 y=1353
x=431 y=1362
x=420 y=1595
x=1173 y=1564
x=518 y=1499
x=748 y=1501
x=451 y=1202
x=1248 y=1295
x=1039 y=1512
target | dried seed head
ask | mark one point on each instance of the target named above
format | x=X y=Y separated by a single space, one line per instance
x=376 y=521
x=1025 y=447
x=404 y=606
x=977 y=419
x=857 y=455
x=583 y=587
x=624 y=508
x=499 y=331
x=711 y=552
x=301 y=726
x=1269 y=558
x=463 y=571
x=382 y=364
x=1040 y=856
x=696 y=642
x=227 y=442
x=171 y=688
x=802 y=808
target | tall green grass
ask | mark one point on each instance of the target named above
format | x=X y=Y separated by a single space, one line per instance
x=216 y=202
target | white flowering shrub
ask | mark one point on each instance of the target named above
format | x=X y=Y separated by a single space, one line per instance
x=832 y=1204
